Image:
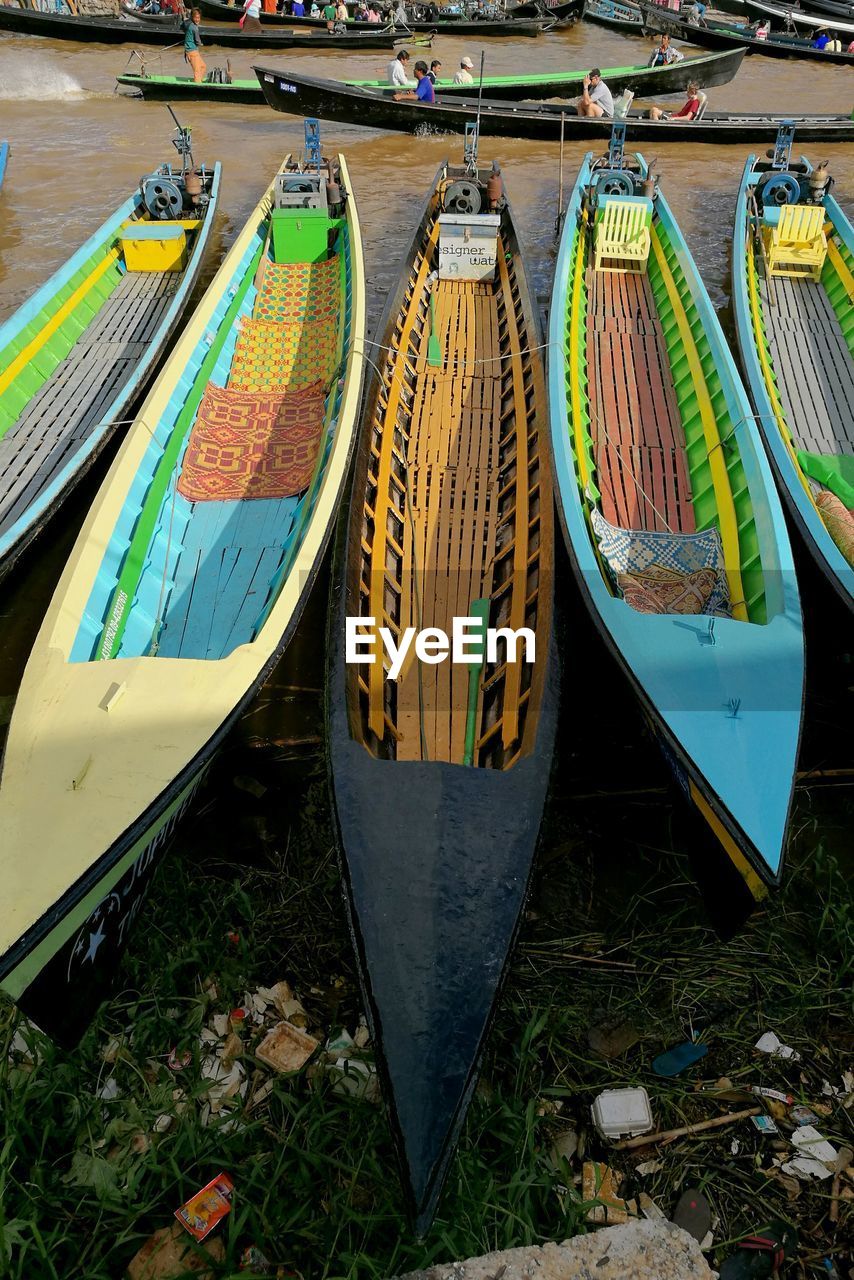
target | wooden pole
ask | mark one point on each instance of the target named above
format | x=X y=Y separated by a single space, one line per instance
x=559 y=219
x=667 y=1134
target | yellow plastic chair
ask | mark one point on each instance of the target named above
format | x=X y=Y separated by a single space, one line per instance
x=797 y=245
x=622 y=235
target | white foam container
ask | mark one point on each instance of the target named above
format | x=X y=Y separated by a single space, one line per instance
x=622 y=1113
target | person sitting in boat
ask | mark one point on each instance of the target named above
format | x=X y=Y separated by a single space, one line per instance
x=761 y=32
x=314 y=11
x=834 y=44
x=400 y=16
x=172 y=6
x=822 y=40
x=464 y=75
x=297 y=9
x=329 y=16
x=595 y=100
x=193 y=45
x=397 y=70
x=688 y=111
x=373 y=15
x=341 y=12
x=433 y=73
x=424 y=91
x=250 y=23
x=664 y=54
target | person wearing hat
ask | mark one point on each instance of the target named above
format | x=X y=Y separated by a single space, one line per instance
x=433 y=73
x=424 y=91
x=595 y=97
x=464 y=75
x=397 y=70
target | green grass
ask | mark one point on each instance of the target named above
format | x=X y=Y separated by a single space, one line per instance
x=613 y=926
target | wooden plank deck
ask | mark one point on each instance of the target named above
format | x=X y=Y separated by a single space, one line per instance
x=61 y=415
x=448 y=544
x=814 y=368
x=639 y=444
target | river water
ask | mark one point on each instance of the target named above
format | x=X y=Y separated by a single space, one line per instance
x=78 y=150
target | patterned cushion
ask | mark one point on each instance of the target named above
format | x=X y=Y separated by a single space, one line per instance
x=297 y=291
x=252 y=446
x=839 y=521
x=270 y=356
x=637 y=551
x=665 y=591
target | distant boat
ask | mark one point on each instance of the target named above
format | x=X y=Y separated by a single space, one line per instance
x=67 y=26
x=618 y=16
x=451 y=24
x=794 y=322
x=705 y=69
x=76 y=355
x=297 y=94
x=182 y=591
x=669 y=509
x=721 y=35
x=439 y=772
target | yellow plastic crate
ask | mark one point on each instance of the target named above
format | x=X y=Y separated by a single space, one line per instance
x=155 y=246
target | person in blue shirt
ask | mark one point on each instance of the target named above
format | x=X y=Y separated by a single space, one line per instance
x=424 y=91
x=297 y=9
x=821 y=40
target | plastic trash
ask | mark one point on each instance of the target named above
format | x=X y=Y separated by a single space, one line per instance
x=771 y=1044
x=622 y=1113
x=678 y=1059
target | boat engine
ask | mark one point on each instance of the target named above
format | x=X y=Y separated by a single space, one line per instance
x=300 y=191
x=779 y=189
x=167 y=195
x=162 y=194
x=462 y=197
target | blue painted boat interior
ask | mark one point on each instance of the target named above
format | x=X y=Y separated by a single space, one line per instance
x=213 y=569
x=4 y=156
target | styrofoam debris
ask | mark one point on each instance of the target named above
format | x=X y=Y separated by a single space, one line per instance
x=220 y=1024
x=206 y=1036
x=805 y=1168
x=734 y=1147
x=163 y=1123
x=228 y=1082
x=362 y=1037
x=341 y=1045
x=109 y=1090
x=771 y=1044
x=650 y=1209
x=354 y=1077
x=648 y=1167
x=810 y=1142
x=286 y=1048
x=622 y=1113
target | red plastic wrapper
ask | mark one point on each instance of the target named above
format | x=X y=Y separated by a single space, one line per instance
x=201 y=1213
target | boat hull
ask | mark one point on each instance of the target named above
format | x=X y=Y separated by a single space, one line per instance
x=737 y=768
x=713 y=69
x=331 y=100
x=92 y=810
x=449 y=26
x=834 y=567
x=16 y=537
x=57 y=26
x=436 y=853
x=717 y=35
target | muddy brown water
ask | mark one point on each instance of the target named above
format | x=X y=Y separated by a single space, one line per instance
x=78 y=149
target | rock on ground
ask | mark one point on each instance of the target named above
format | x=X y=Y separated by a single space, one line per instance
x=636 y=1251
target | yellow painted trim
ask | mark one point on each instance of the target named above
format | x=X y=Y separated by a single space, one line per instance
x=755 y=883
x=124 y=758
x=714 y=450
x=23 y=358
x=841 y=267
x=768 y=373
x=574 y=376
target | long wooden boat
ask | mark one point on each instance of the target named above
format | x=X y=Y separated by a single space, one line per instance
x=792 y=16
x=439 y=776
x=719 y=35
x=794 y=322
x=4 y=158
x=76 y=355
x=329 y=99
x=62 y=26
x=219 y=12
x=615 y=15
x=183 y=589
x=832 y=8
x=159 y=19
x=706 y=70
x=669 y=509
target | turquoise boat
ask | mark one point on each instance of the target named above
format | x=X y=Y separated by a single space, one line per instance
x=793 y=296
x=182 y=591
x=4 y=156
x=78 y=353
x=669 y=509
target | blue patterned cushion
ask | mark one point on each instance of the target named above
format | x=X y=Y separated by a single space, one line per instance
x=633 y=551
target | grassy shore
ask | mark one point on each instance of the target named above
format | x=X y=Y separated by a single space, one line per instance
x=615 y=926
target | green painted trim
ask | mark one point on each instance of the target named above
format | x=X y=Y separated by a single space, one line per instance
x=122 y=598
x=837 y=294
x=702 y=487
x=579 y=356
